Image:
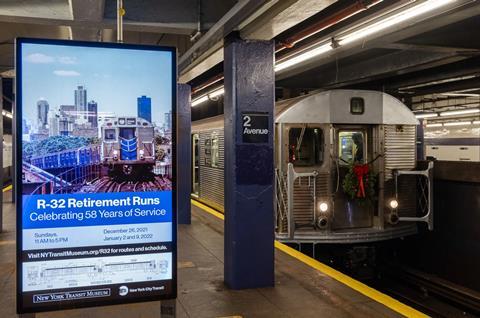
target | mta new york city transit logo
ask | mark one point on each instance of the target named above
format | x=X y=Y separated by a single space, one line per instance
x=123 y=290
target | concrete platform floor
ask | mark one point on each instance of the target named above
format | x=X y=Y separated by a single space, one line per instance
x=300 y=290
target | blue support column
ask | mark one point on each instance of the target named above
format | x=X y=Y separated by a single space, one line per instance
x=249 y=164
x=1 y=157
x=184 y=154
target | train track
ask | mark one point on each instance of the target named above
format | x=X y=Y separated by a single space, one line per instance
x=106 y=184
x=428 y=293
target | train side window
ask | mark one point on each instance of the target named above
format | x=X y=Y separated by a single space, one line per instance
x=351 y=145
x=305 y=146
x=215 y=152
x=110 y=134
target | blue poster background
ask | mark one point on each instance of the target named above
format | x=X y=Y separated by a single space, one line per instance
x=34 y=217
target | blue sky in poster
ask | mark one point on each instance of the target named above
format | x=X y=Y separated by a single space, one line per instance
x=114 y=78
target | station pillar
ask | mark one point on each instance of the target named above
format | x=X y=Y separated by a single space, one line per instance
x=184 y=153
x=1 y=156
x=249 y=163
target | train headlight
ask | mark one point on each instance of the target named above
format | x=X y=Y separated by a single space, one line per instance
x=115 y=152
x=323 y=206
x=141 y=152
x=393 y=204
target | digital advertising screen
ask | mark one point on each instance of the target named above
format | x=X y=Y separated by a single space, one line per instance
x=95 y=176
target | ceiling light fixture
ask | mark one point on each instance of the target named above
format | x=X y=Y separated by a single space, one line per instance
x=457 y=123
x=307 y=55
x=460 y=112
x=209 y=96
x=7 y=114
x=447 y=80
x=434 y=125
x=460 y=95
x=427 y=115
x=199 y=100
x=392 y=20
x=216 y=93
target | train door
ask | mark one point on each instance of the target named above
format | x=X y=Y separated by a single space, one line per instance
x=195 y=164
x=351 y=148
x=128 y=144
x=306 y=156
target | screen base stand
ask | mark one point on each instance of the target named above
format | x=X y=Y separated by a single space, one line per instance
x=168 y=308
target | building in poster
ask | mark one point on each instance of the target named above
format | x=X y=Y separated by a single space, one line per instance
x=81 y=103
x=42 y=114
x=94 y=167
x=144 y=108
x=92 y=109
x=168 y=121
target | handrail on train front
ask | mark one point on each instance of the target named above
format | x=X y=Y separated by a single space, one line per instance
x=280 y=198
x=292 y=175
x=428 y=174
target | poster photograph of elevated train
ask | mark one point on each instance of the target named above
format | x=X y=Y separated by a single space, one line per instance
x=97 y=137
x=83 y=136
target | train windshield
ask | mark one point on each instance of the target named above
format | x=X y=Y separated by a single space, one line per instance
x=109 y=134
x=350 y=147
x=305 y=146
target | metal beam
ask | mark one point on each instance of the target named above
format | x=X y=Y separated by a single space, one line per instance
x=87 y=11
x=264 y=23
x=465 y=67
x=282 y=16
x=447 y=87
x=183 y=28
x=430 y=48
x=214 y=37
x=368 y=70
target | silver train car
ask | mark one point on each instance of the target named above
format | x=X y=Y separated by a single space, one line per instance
x=319 y=140
x=457 y=143
x=128 y=146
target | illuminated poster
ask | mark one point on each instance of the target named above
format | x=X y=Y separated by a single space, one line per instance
x=95 y=186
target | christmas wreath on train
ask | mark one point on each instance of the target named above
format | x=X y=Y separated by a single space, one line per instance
x=360 y=182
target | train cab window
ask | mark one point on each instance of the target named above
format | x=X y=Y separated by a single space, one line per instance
x=305 y=146
x=351 y=145
x=109 y=134
x=215 y=152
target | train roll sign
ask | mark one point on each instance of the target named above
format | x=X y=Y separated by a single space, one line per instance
x=255 y=127
x=96 y=208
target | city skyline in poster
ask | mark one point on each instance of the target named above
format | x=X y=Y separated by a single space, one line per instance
x=114 y=79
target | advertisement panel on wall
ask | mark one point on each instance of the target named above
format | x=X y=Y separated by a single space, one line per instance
x=96 y=221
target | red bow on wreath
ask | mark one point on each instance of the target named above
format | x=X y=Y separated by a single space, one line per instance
x=360 y=171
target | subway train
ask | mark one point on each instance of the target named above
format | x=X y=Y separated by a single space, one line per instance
x=68 y=158
x=128 y=146
x=345 y=168
x=454 y=143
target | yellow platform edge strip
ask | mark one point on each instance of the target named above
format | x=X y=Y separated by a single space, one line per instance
x=371 y=293
x=9 y=187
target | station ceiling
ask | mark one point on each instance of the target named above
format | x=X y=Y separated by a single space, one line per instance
x=419 y=61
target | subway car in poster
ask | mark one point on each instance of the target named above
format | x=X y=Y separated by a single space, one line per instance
x=128 y=147
x=325 y=142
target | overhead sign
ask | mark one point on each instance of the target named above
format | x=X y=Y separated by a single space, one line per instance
x=95 y=187
x=255 y=127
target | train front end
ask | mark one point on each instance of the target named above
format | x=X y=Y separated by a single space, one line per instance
x=128 y=147
x=347 y=170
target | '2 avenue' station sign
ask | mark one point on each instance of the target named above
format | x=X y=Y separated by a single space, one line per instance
x=255 y=127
